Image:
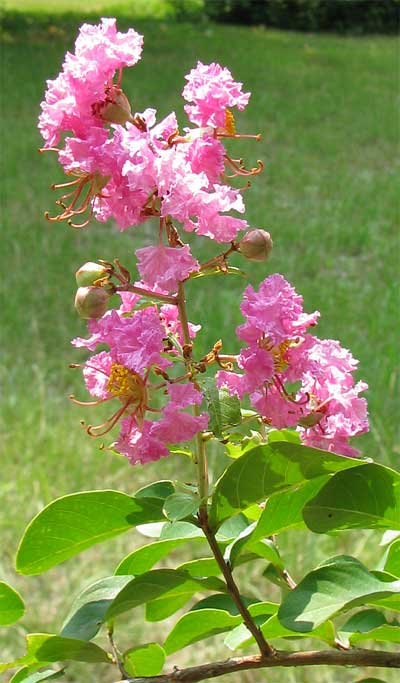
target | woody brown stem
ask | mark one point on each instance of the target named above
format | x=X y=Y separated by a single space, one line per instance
x=264 y=647
x=354 y=657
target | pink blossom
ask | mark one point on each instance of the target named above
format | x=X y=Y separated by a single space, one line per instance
x=169 y=316
x=206 y=155
x=96 y=373
x=147 y=441
x=70 y=99
x=165 y=266
x=274 y=312
x=212 y=90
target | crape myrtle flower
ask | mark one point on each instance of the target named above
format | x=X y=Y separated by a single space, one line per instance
x=325 y=406
x=76 y=99
x=151 y=414
x=212 y=90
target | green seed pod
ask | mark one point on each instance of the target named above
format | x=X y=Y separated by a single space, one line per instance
x=256 y=245
x=91 y=302
x=89 y=273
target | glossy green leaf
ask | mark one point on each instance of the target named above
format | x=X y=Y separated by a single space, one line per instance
x=144 y=558
x=284 y=510
x=391 y=560
x=231 y=528
x=389 y=536
x=240 y=636
x=52 y=648
x=159 y=489
x=366 y=497
x=270 y=468
x=88 y=610
x=219 y=601
x=157 y=585
x=168 y=603
x=272 y=629
x=43 y=648
x=180 y=505
x=198 y=625
x=370 y=680
x=11 y=605
x=180 y=530
x=263 y=548
x=77 y=521
x=144 y=660
x=337 y=585
x=369 y=624
x=26 y=675
x=283 y=435
x=384 y=633
x=224 y=409
x=204 y=566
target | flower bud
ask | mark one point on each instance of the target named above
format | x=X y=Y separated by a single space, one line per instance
x=117 y=109
x=91 y=302
x=256 y=245
x=89 y=273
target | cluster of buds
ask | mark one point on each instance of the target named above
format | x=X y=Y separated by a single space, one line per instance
x=130 y=168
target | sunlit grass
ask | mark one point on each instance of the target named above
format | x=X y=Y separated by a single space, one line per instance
x=326 y=108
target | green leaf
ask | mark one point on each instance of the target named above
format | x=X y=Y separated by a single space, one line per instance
x=158 y=489
x=284 y=510
x=219 y=601
x=367 y=497
x=25 y=675
x=204 y=566
x=272 y=629
x=88 y=610
x=77 y=521
x=370 y=680
x=180 y=530
x=157 y=584
x=283 y=435
x=263 y=548
x=384 y=633
x=144 y=558
x=168 y=603
x=231 y=528
x=391 y=560
x=369 y=625
x=43 y=648
x=11 y=605
x=270 y=468
x=180 y=505
x=198 y=625
x=337 y=585
x=144 y=660
x=224 y=410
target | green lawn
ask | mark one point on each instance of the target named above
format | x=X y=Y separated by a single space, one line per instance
x=326 y=108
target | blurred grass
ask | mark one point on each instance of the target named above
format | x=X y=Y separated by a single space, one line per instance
x=329 y=195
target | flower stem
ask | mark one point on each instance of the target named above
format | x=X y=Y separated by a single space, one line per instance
x=200 y=457
x=164 y=298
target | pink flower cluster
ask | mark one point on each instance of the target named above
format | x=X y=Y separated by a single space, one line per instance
x=151 y=412
x=130 y=168
x=280 y=353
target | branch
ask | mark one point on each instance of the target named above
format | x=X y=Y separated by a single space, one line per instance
x=265 y=648
x=354 y=657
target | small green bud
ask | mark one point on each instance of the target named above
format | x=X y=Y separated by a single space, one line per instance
x=89 y=273
x=91 y=302
x=256 y=245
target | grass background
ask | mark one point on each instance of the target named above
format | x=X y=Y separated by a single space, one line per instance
x=327 y=109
